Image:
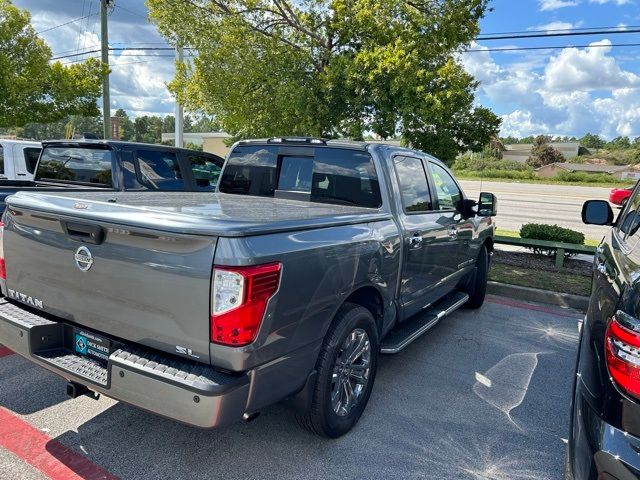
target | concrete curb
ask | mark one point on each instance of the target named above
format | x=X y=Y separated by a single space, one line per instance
x=528 y=294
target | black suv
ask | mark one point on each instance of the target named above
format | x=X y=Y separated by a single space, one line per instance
x=604 y=439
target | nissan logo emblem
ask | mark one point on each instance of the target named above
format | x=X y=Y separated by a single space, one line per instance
x=83 y=258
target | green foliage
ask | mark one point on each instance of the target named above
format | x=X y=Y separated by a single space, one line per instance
x=585 y=177
x=552 y=233
x=618 y=143
x=475 y=162
x=497 y=174
x=592 y=141
x=31 y=88
x=542 y=153
x=332 y=68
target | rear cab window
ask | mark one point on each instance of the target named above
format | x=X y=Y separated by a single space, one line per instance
x=76 y=164
x=339 y=176
x=205 y=170
x=1 y=160
x=159 y=170
x=31 y=155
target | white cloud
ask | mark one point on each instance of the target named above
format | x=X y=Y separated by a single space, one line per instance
x=555 y=4
x=571 y=93
x=617 y=2
x=553 y=26
x=587 y=69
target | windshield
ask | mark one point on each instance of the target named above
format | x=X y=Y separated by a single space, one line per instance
x=76 y=165
x=325 y=175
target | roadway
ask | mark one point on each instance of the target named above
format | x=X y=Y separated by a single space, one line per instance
x=520 y=203
x=485 y=394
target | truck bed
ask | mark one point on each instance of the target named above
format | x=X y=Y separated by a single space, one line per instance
x=201 y=213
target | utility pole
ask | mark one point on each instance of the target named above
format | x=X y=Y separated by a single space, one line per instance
x=179 y=128
x=104 y=40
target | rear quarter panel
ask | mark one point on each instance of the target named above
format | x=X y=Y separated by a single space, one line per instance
x=321 y=268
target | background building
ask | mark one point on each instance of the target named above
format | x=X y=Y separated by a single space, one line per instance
x=212 y=142
x=519 y=152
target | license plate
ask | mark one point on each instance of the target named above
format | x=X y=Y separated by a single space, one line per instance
x=91 y=345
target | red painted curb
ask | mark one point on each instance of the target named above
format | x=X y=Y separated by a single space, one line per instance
x=527 y=306
x=49 y=456
x=5 y=352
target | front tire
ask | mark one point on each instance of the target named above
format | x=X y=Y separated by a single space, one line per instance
x=346 y=369
x=477 y=288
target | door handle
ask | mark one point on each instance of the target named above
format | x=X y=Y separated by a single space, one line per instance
x=415 y=240
x=602 y=268
x=453 y=232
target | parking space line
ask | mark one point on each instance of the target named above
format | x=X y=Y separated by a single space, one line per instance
x=49 y=456
x=528 y=306
x=5 y=352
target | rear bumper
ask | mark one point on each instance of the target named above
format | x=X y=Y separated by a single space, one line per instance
x=186 y=391
x=599 y=450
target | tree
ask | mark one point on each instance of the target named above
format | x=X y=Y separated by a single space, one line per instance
x=148 y=129
x=332 y=68
x=592 y=141
x=543 y=154
x=496 y=147
x=618 y=143
x=32 y=88
x=126 y=129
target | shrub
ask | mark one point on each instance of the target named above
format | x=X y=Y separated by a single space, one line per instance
x=584 y=177
x=469 y=163
x=543 y=154
x=552 y=233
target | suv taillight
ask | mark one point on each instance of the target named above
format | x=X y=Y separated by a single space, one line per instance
x=3 y=267
x=239 y=299
x=622 y=346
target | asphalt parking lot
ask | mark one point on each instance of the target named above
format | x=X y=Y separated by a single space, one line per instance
x=484 y=395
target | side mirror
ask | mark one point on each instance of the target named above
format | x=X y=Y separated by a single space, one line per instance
x=465 y=207
x=487 y=205
x=597 y=212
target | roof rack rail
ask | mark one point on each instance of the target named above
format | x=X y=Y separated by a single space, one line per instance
x=312 y=140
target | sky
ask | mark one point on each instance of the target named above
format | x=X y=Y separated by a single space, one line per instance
x=590 y=85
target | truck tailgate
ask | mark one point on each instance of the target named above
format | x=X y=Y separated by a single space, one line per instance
x=136 y=284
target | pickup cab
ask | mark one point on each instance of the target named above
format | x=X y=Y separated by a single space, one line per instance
x=311 y=259
x=98 y=165
x=18 y=159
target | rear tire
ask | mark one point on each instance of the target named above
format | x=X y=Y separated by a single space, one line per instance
x=346 y=369
x=477 y=288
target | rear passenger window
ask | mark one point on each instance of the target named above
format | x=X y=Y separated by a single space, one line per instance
x=31 y=158
x=205 y=171
x=159 y=170
x=338 y=176
x=414 y=188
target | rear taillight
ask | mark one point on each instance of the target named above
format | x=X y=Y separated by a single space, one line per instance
x=3 y=267
x=239 y=299
x=622 y=345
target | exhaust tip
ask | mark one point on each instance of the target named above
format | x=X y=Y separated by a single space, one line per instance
x=249 y=417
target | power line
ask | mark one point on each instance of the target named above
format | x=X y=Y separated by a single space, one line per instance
x=514 y=49
x=573 y=29
x=117 y=49
x=66 y=23
x=132 y=12
x=565 y=34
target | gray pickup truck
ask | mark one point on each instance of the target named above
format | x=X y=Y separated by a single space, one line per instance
x=311 y=259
